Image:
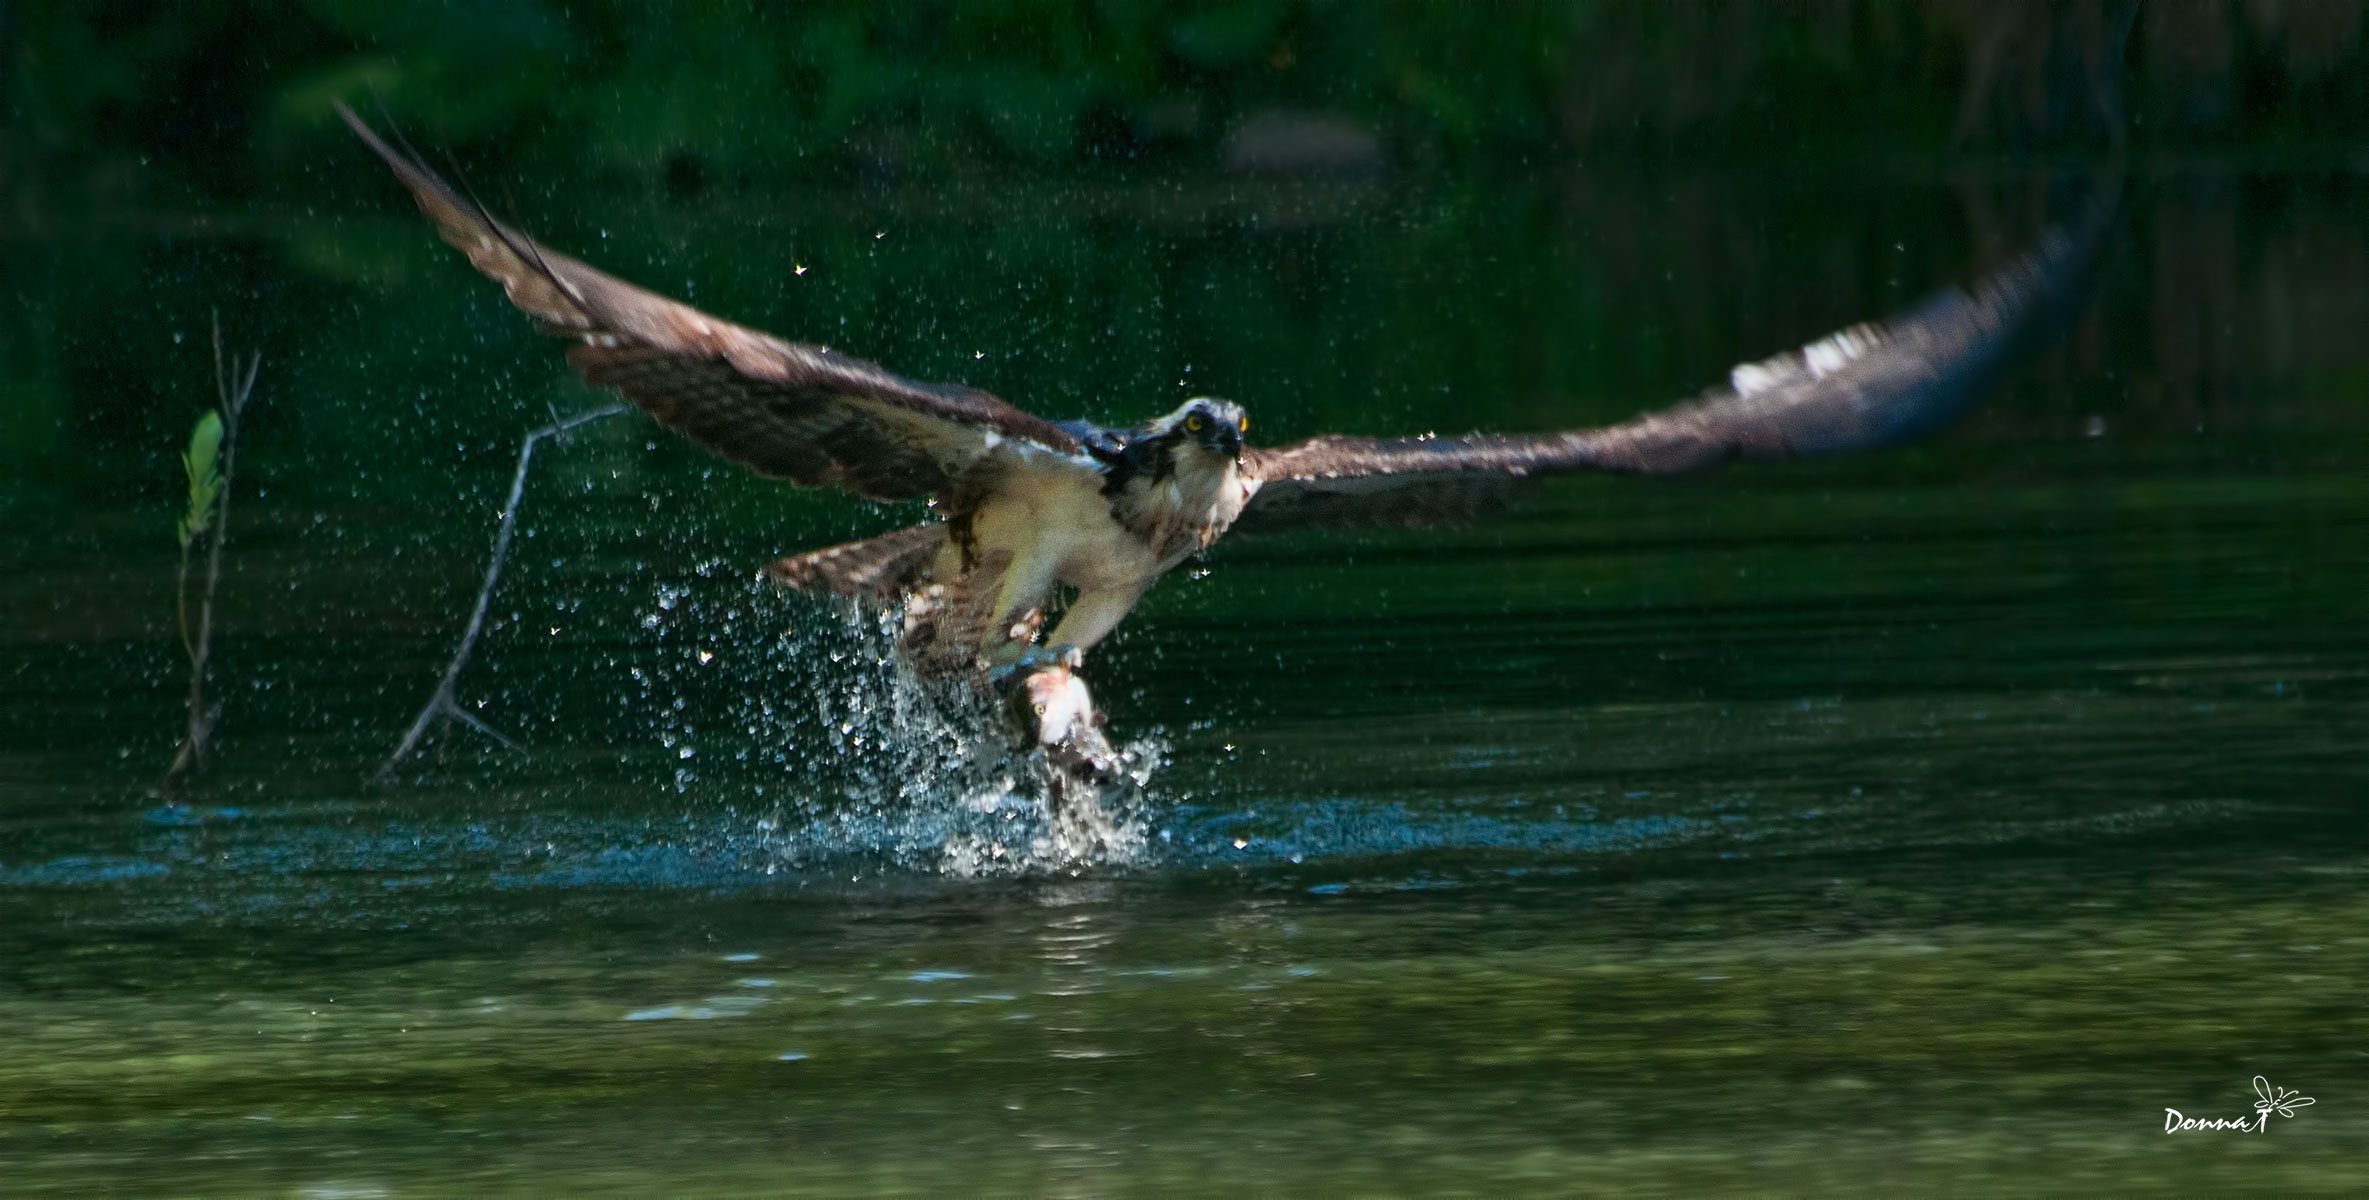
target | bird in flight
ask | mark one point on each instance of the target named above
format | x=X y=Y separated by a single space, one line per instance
x=1024 y=505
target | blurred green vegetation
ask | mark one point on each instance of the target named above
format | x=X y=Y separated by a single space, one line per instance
x=171 y=102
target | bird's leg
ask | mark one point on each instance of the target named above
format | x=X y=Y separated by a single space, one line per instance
x=1012 y=639
x=1093 y=615
x=1013 y=612
x=969 y=622
x=1031 y=661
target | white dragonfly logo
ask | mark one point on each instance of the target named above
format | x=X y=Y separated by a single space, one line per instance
x=2283 y=1101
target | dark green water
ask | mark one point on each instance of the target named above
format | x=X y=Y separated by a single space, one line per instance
x=1930 y=820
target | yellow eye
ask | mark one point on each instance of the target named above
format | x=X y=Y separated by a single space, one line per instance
x=1195 y=423
x=1040 y=710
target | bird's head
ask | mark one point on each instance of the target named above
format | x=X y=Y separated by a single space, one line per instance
x=1214 y=425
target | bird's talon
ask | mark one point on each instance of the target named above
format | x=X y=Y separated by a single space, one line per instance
x=1034 y=660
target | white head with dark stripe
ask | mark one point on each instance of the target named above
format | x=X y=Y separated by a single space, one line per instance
x=1206 y=423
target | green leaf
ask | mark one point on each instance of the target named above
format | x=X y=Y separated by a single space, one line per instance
x=205 y=482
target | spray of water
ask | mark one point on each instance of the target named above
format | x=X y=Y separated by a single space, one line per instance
x=848 y=757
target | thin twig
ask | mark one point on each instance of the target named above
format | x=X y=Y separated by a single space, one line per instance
x=181 y=607
x=442 y=702
x=233 y=401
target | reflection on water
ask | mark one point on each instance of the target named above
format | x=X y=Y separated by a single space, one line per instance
x=1932 y=819
x=1078 y=925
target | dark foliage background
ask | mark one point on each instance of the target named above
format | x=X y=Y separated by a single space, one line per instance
x=131 y=102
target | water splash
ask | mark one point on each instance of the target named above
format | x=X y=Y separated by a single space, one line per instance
x=811 y=708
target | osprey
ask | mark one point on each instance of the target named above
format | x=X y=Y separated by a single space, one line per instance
x=1024 y=505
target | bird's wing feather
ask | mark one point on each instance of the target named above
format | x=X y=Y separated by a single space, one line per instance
x=876 y=568
x=800 y=412
x=1869 y=385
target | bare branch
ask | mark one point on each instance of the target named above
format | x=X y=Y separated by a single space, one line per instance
x=442 y=702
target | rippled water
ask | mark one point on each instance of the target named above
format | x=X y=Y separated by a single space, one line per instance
x=1928 y=820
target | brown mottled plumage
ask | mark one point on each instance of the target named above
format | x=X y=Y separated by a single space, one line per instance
x=808 y=414
x=876 y=569
x=1029 y=504
x=1866 y=386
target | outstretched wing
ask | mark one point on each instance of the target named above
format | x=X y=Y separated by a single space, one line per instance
x=1866 y=386
x=803 y=413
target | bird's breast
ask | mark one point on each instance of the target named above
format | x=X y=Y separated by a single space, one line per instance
x=1053 y=514
x=1183 y=510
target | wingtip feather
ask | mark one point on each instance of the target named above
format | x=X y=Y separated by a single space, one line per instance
x=508 y=257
